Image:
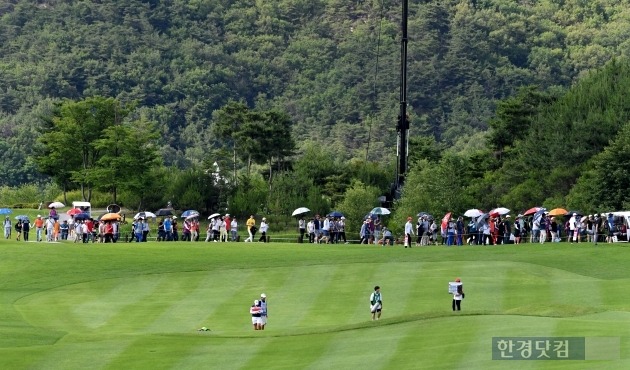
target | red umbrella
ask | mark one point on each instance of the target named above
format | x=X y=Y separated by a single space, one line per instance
x=74 y=211
x=445 y=220
x=531 y=211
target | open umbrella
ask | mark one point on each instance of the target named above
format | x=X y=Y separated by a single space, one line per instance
x=482 y=219
x=300 y=211
x=473 y=213
x=570 y=213
x=380 y=211
x=558 y=212
x=532 y=210
x=21 y=217
x=335 y=214
x=192 y=216
x=113 y=208
x=500 y=211
x=5 y=211
x=445 y=220
x=164 y=212
x=74 y=211
x=56 y=205
x=110 y=217
x=213 y=216
x=189 y=213
x=81 y=216
x=144 y=215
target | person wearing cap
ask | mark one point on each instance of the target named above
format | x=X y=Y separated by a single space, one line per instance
x=39 y=228
x=264 y=226
x=263 y=313
x=376 y=302
x=507 y=229
x=7 y=227
x=408 y=232
x=342 y=230
x=256 y=311
x=458 y=295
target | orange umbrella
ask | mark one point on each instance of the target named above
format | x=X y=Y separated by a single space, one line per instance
x=110 y=217
x=558 y=212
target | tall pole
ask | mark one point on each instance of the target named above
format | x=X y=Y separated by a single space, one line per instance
x=403 y=121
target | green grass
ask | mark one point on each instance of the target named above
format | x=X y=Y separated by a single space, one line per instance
x=138 y=305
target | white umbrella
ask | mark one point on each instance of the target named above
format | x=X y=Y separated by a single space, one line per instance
x=56 y=205
x=500 y=210
x=213 y=216
x=300 y=211
x=380 y=211
x=145 y=214
x=473 y=213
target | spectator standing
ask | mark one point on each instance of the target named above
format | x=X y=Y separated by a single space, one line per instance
x=228 y=226
x=310 y=229
x=301 y=229
x=7 y=227
x=26 y=228
x=408 y=232
x=264 y=226
x=234 y=229
x=342 y=229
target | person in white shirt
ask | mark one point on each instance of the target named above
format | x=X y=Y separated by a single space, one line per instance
x=78 y=231
x=264 y=226
x=263 y=313
x=376 y=303
x=408 y=232
x=7 y=227
x=301 y=229
x=234 y=229
x=209 y=234
x=458 y=295
x=50 y=226
x=310 y=229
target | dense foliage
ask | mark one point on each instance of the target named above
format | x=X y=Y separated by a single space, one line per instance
x=327 y=70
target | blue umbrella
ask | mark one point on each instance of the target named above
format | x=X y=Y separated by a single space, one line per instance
x=189 y=213
x=5 y=211
x=21 y=217
x=82 y=216
x=335 y=214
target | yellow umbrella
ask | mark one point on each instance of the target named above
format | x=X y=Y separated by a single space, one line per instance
x=110 y=217
x=558 y=212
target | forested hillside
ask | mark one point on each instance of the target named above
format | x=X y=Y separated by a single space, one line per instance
x=332 y=65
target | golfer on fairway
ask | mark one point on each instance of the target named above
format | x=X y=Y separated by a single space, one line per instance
x=376 y=303
x=263 y=313
x=255 y=310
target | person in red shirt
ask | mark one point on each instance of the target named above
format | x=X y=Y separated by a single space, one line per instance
x=109 y=232
x=90 y=227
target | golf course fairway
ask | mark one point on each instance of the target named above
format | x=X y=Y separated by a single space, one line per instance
x=140 y=305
